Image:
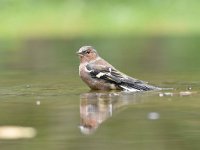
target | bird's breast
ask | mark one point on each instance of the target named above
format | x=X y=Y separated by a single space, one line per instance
x=94 y=83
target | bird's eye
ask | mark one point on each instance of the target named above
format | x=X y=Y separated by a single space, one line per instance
x=88 y=52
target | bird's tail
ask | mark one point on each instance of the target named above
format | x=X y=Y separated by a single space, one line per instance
x=138 y=87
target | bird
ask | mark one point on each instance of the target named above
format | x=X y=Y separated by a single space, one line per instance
x=98 y=74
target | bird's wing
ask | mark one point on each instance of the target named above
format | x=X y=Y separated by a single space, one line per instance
x=111 y=75
x=107 y=73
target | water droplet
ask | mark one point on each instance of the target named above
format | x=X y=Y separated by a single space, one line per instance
x=153 y=116
x=161 y=94
x=38 y=102
x=28 y=86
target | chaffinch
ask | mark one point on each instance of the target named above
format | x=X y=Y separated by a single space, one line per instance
x=98 y=74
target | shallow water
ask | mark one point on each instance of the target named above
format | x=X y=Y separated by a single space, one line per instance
x=40 y=91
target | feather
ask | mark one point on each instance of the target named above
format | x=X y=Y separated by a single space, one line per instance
x=113 y=76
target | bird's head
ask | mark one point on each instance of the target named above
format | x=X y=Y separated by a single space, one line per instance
x=87 y=54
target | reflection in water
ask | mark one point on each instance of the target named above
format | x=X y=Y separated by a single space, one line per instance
x=95 y=108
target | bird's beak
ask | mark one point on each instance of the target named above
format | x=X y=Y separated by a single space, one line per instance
x=79 y=53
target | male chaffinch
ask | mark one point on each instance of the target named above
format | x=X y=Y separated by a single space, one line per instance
x=98 y=74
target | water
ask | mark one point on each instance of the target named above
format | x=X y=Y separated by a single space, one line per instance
x=46 y=105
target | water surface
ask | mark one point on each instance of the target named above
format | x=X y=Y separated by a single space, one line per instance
x=40 y=90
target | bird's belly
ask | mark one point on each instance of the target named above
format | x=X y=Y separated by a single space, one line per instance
x=95 y=83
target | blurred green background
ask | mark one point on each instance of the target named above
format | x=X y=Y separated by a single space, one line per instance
x=48 y=30
x=75 y=18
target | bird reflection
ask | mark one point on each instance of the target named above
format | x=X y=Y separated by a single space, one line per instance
x=95 y=108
